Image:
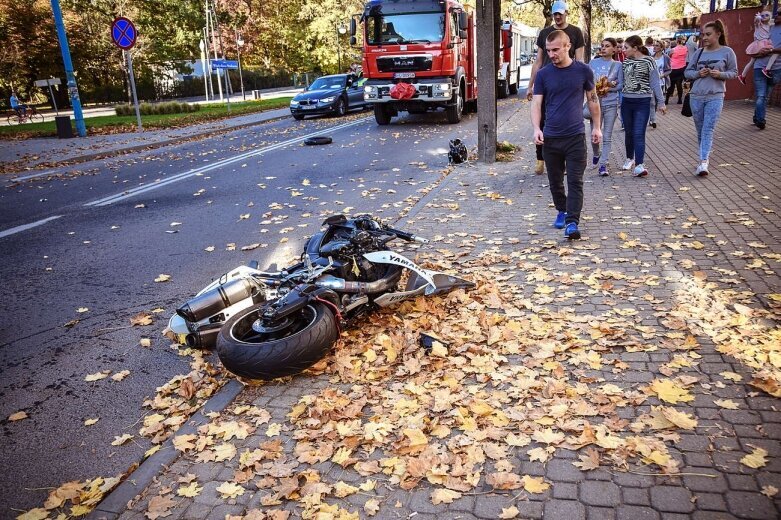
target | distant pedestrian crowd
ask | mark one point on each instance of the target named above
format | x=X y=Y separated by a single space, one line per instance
x=632 y=80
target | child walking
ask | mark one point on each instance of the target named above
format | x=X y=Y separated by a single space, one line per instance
x=763 y=20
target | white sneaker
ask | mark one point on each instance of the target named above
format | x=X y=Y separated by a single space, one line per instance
x=628 y=164
x=640 y=171
x=702 y=169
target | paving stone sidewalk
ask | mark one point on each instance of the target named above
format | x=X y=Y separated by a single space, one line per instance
x=671 y=228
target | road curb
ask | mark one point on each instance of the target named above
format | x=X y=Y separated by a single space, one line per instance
x=149 y=146
x=116 y=502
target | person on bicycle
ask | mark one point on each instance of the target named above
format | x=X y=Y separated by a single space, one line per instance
x=19 y=108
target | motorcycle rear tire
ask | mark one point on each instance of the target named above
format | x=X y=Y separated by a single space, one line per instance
x=277 y=357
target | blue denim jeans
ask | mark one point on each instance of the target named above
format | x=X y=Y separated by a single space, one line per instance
x=706 y=113
x=763 y=86
x=608 y=122
x=635 y=112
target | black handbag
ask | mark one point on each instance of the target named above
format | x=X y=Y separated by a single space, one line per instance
x=686 y=109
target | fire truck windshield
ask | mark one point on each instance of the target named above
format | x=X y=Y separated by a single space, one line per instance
x=405 y=28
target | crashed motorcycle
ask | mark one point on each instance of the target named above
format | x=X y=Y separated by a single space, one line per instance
x=273 y=324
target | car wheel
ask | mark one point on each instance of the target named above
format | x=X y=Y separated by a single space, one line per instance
x=341 y=107
x=298 y=117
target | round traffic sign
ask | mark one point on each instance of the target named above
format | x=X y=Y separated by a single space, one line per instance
x=124 y=33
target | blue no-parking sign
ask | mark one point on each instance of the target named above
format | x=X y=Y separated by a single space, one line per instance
x=124 y=33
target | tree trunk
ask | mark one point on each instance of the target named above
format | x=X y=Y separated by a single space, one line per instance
x=585 y=25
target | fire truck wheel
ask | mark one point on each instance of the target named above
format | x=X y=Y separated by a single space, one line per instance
x=514 y=84
x=381 y=114
x=456 y=110
x=504 y=89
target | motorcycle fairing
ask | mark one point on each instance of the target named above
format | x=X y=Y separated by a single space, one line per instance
x=389 y=257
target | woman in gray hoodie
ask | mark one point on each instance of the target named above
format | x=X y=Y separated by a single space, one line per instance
x=709 y=69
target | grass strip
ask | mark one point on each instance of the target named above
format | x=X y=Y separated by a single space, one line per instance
x=103 y=125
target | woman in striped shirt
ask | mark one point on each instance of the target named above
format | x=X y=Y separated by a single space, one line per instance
x=641 y=84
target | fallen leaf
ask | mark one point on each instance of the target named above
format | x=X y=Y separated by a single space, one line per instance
x=120 y=440
x=142 y=319
x=18 y=416
x=163 y=278
x=230 y=490
x=509 y=512
x=90 y=422
x=756 y=459
x=769 y=491
x=97 y=376
x=535 y=484
x=729 y=404
x=159 y=507
x=444 y=496
x=119 y=376
x=189 y=491
x=371 y=506
x=669 y=391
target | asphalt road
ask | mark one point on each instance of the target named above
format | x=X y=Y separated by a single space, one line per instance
x=122 y=222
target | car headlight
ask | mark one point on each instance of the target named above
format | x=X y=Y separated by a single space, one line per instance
x=329 y=99
x=293 y=103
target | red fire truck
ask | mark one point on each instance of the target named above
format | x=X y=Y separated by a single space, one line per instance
x=509 y=74
x=418 y=55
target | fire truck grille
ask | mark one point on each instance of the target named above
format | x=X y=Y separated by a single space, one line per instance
x=404 y=63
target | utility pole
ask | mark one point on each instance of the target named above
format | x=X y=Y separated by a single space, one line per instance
x=73 y=90
x=228 y=90
x=210 y=41
x=487 y=23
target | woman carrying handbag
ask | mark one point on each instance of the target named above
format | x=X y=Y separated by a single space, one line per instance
x=713 y=65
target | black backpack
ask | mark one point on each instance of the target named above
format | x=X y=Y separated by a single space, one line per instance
x=458 y=152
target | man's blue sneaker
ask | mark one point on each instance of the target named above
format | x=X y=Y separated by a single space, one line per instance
x=560 y=219
x=572 y=232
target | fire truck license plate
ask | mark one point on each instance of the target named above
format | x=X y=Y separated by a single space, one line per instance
x=403 y=75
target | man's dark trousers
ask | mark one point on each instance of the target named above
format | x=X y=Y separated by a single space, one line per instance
x=566 y=153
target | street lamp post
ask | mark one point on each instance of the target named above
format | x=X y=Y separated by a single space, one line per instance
x=341 y=30
x=204 y=66
x=239 y=45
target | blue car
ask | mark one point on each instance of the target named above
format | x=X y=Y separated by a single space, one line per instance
x=336 y=94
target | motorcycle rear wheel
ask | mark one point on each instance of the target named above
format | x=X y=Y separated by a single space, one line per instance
x=280 y=351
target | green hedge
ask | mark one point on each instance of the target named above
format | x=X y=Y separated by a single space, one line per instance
x=147 y=109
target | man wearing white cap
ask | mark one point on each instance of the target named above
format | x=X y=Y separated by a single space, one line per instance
x=577 y=47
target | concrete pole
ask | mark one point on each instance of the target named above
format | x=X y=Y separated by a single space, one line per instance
x=73 y=90
x=487 y=23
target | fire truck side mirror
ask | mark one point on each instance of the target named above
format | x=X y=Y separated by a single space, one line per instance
x=353 y=40
x=463 y=22
x=462 y=34
x=353 y=27
x=509 y=41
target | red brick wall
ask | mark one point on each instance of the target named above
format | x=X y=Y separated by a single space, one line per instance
x=739 y=25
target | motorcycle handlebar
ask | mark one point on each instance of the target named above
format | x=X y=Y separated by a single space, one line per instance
x=409 y=237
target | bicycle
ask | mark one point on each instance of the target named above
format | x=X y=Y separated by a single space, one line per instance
x=30 y=116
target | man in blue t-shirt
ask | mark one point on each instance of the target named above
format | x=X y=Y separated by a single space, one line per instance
x=19 y=108
x=763 y=85
x=560 y=86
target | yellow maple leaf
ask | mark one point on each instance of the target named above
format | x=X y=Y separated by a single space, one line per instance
x=97 y=376
x=732 y=376
x=122 y=439
x=342 y=489
x=273 y=430
x=151 y=451
x=509 y=512
x=755 y=459
x=342 y=455
x=416 y=437
x=189 y=491
x=534 y=484
x=729 y=404
x=669 y=391
x=680 y=419
x=444 y=496
x=230 y=490
x=371 y=506
x=548 y=436
x=369 y=485
x=185 y=442
x=224 y=451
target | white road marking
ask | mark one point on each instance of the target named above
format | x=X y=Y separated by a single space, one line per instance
x=111 y=199
x=34 y=175
x=25 y=227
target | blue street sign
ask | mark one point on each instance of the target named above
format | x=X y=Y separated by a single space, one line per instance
x=124 y=33
x=224 y=64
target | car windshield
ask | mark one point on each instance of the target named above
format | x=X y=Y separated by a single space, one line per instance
x=326 y=83
x=406 y=28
